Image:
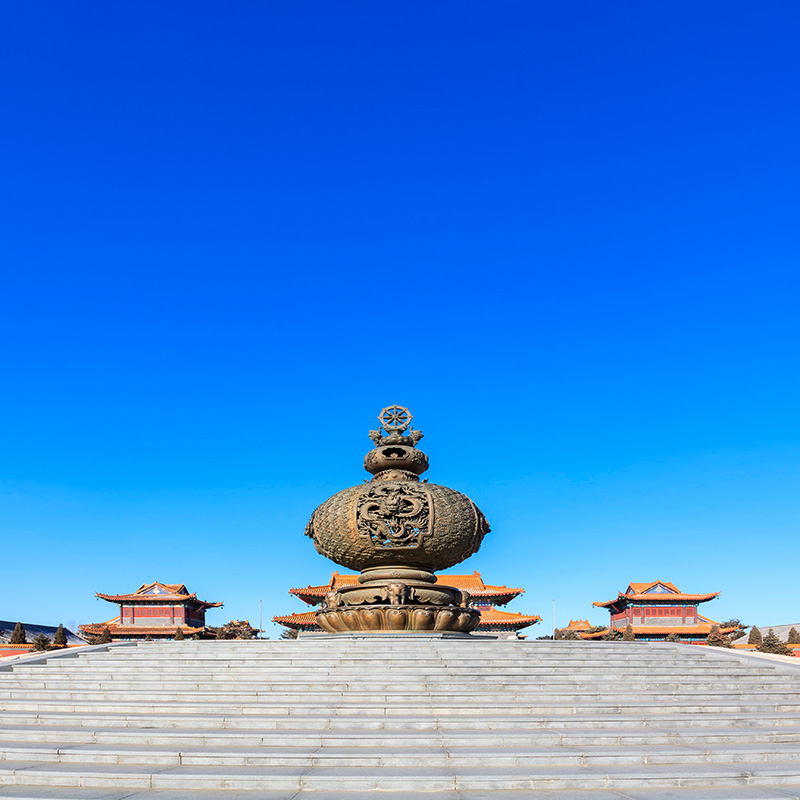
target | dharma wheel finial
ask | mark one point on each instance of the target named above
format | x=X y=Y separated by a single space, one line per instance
x=395 y=422
x=395 y=418
x=395 y=456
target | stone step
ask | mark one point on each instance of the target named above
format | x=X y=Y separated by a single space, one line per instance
x=398 y=739
x=454 y=756
x=484 y=688
x=417 y=722
x=780 y=792
x=445 y=673
x=378 y=778
x=275 y=705
x=523 y=698
x=94 y=657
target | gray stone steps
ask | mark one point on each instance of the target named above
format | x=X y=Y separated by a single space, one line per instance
x=439 y=755
x=498 y=737
x=378 y=778
x=75 y=668
x=417 y=722
x=533 y=689
x=523 y=697
x=423 y=705
x=457 y=720
x=740 y=792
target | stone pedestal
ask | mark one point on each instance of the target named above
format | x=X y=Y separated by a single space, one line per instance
x=397 y=599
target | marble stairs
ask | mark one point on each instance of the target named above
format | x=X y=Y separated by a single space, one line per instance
x=399 y=717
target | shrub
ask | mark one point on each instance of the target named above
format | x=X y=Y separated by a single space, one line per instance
x=794 y=637
x=41 y=642
x=179 y=637
x=60 y=638
x=290 y=633
x=628 y=636
x=772 y=644
x=105 y=636
x=571 y=635
x=613 y=635
x=19 y=636
x=755 y=636
x=716 y=638
x=672 y=637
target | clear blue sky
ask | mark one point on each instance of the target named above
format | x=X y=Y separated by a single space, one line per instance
x=564 y=233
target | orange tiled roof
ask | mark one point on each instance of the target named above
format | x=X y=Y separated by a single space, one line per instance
x=641 y=588
x=97 y=628
x=303 y=619
x=578 y=625
x=639 y=591
x=643 y=630
x=489 y=617
x=472 y=583
x=173 y=592
x=494 y=616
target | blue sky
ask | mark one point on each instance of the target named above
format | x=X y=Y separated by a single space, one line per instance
x=564 y=233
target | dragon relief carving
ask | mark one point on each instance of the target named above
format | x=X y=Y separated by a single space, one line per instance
x=394 y=515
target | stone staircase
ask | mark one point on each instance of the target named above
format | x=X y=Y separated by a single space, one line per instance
x=399 y=717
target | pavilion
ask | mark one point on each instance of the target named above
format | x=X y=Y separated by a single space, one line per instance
x=657 y=610
x=156 y=611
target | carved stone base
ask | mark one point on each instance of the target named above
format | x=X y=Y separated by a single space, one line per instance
x=366 y=618
x=397 y=598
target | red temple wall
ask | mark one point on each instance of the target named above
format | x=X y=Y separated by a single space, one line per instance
x=161 y=615
x=655 y=615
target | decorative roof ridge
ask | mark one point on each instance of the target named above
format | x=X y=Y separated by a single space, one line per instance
x=156 y=598
x=659 y=598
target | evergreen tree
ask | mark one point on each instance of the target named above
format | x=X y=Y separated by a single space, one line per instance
x=754 y=637
x=41 y=642
x=794 y=637
x=105 y=637
x=19 y=636
x=734 y=623
x=179 y=637
x=571 y=635
x=289 y=633
x=772 y=644
x=717 y=639
x=612 y=635
x=60 y=639
x=628 y=636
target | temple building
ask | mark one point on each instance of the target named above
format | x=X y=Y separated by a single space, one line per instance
x=578 y=626
x=154 y=610
x=657 y=610
x=483 y=596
